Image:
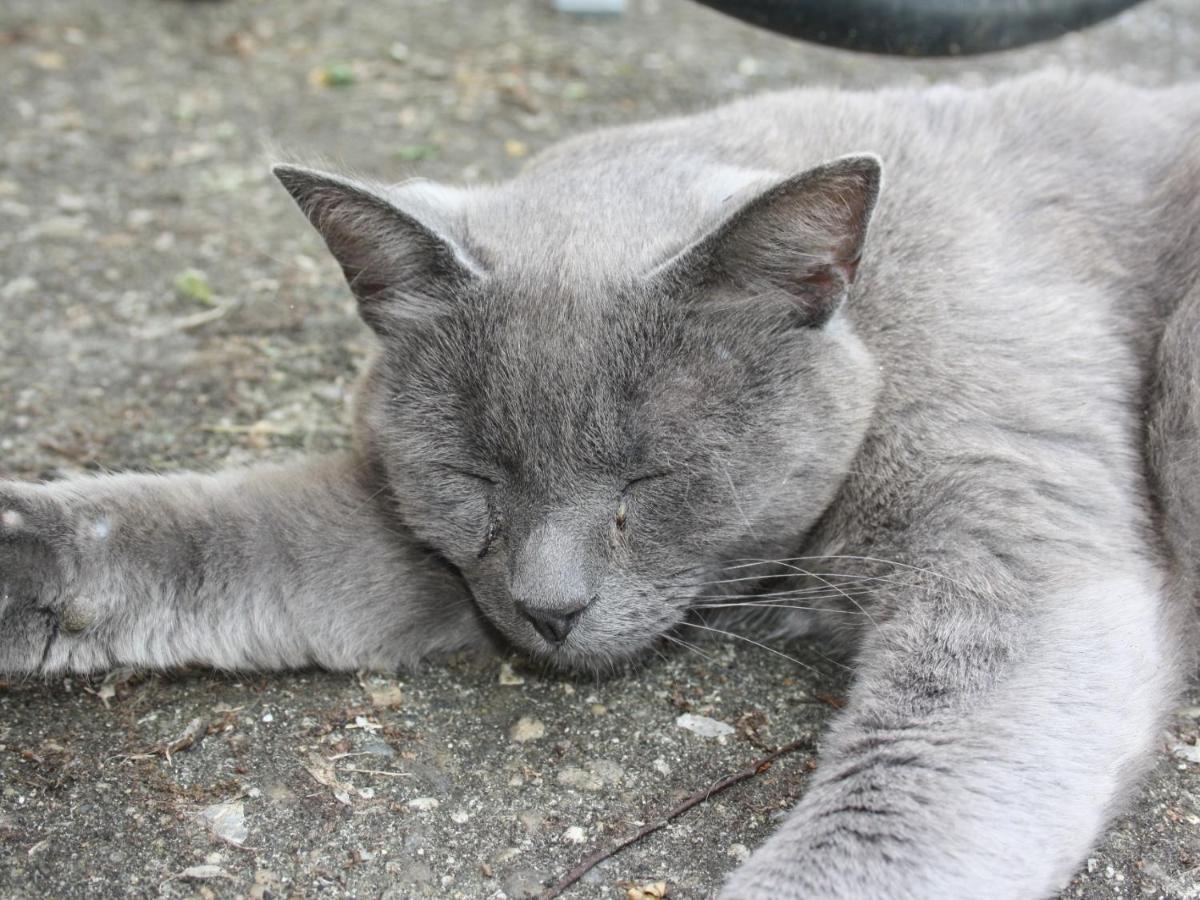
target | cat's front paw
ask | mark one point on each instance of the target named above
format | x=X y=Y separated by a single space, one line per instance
x=748 y=885
x=34 y=552
x=779 y=870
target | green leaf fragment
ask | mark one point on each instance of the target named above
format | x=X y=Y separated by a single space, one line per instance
x=340 y=75
x=415 y=152
x=192 y=284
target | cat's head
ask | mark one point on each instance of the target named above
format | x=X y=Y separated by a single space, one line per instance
x=590 y=452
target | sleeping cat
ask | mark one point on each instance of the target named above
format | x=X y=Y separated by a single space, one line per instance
x=946 y=419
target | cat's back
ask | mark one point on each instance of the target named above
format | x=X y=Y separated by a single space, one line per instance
x=984 y=161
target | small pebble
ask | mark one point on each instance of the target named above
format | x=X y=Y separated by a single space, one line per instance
x=18 y=287
x=71 y=202
x=527 y=729
x=704 y=726
x=1189 y=752
x=574 y=777
x=591 y=7
x=508 y=676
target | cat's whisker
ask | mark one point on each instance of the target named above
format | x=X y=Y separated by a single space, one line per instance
x=779 y=605
x=736 y=502
x=747 y=562
x=854 y=602
x=674 y=639
x=800 y=594
x=829 y=601
x=812 y=648
x=742 y=637
x=369 y=499
x=850 y=579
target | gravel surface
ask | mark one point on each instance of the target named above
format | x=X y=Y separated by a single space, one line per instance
x=162 y=305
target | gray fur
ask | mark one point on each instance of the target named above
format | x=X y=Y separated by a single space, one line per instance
x=704 y=371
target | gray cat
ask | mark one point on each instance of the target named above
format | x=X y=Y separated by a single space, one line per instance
x=952 y=426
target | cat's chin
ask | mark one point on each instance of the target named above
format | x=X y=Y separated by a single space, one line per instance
x=609 y=638
x=595 y=659
x=605 y=663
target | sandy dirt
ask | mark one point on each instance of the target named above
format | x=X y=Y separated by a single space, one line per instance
x=163 y=305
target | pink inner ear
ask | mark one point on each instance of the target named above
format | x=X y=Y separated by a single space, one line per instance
x=849 y=268
x=825 y=278
x=832 y=277
x=802 y=237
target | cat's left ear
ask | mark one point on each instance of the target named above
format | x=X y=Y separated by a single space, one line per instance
x=800 y=240
x=396 y=247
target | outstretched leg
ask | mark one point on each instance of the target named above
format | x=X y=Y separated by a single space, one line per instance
x=264 y=568
x=1008 y=691
x=981 y=753
x=1174 y=438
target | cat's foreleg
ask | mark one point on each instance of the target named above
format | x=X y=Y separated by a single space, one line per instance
x=258 y=568
x=985 y=745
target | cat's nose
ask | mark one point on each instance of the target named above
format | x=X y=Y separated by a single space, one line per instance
x=553 y=625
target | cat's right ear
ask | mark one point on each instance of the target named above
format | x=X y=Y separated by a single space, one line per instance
x=401 y=264
x=797 y=242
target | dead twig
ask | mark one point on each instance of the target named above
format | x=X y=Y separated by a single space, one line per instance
x=757 y=767
x=377 y=772
x=196 y=730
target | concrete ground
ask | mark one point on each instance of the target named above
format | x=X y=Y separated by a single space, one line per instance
x=162 y=305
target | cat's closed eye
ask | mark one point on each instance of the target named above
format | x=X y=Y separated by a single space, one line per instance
x=642 y=479
x=495 y=526
x=466 y=472
x=467 y=496
x=621 y=517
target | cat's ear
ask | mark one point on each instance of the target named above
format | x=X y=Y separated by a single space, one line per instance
x=800 y=240
x=401 y=263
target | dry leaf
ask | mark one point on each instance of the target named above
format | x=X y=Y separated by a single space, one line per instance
x=508 y=676
x=527 y=729
x=49 y=61
x=384 y=693
x=191 y=734
x=203 y=873
x=323 y=772
x=655 y=891
x=112 y=681
x=226 y=820
x=704 y=726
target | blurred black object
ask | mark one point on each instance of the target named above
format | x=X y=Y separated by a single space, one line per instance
x=922 y=27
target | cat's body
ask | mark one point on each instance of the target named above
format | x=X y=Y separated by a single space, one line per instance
x=652 y=373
